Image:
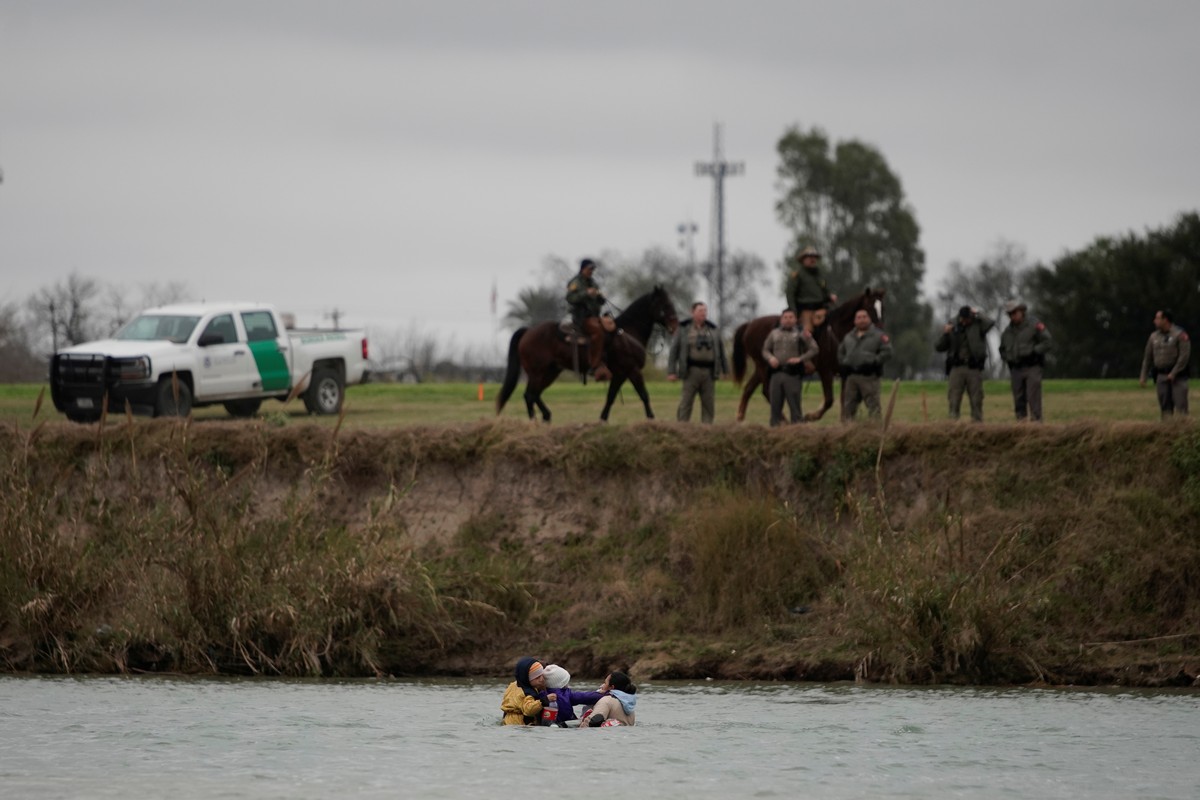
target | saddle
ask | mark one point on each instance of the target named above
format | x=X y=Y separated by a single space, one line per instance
x=569 y=333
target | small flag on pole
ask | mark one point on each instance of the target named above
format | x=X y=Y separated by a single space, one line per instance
x=493 y=298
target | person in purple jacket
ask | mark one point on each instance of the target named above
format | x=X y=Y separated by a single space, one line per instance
x=557 y=679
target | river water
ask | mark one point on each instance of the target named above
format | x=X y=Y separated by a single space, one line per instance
x=205 y=738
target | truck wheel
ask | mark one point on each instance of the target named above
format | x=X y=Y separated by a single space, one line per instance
x=166 y=404
x=325 y=393
x=243 y=408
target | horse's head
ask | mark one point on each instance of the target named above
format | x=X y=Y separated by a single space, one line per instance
x=871 y=301
x=841 y=319
x=662 y=309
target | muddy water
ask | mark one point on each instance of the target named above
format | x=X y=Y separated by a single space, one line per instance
x=189 y=738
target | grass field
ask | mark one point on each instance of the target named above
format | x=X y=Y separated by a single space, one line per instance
x=392 y=405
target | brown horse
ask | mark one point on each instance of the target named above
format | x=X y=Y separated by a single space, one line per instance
x=750 y=336
x=543 y=353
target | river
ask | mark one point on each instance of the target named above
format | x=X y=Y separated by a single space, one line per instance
x=101 y=737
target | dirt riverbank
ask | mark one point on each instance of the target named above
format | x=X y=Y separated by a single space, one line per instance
x=994 y=554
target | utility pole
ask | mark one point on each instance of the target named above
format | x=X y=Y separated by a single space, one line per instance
x=718 y=168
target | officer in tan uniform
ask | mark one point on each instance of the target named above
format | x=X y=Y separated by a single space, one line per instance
x=789 y=351
x=861 y=357
x=1166 y=361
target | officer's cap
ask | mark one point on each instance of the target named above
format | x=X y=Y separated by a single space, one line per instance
x=1014 y=305
x=808 y=251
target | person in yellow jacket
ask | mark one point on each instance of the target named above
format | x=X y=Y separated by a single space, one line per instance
x=522 y=703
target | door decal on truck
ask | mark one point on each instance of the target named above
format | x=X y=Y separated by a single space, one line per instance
x=262 y=337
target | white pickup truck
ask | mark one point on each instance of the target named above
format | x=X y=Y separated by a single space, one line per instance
x=168 y=360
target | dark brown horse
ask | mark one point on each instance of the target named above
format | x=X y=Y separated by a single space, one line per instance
x=543 y=353
x=750 y=336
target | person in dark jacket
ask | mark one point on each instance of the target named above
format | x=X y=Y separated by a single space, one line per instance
x=586 y=301
x=524 y=697
x=964 y=341
x=861 y=356
x=698 y=356
x=807 y=288
x=1023 y=347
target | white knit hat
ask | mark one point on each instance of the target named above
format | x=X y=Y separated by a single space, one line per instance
x=556 y=677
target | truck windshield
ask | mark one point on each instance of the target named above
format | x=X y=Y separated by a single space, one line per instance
x=156 y=327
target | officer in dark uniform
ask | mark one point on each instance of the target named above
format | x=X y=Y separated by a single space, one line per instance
x=585 y=300
x=807 y=289
x=1166 y=361
x=1023 y=347
x=964 y=342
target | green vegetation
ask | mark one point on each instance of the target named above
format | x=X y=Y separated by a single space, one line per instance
x=400 y=405
x=977 y=554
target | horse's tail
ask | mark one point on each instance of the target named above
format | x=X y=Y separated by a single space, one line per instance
x=512 y=373
x=739 y=353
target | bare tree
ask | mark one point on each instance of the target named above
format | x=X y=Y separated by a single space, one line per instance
x=1002 y=275
x=18 y=362
x=66 y=313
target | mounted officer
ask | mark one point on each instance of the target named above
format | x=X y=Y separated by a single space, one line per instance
x=807 y=290
x=585 y=300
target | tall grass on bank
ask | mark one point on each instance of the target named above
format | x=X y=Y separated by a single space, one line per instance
x=974 y=554
x=105 y=572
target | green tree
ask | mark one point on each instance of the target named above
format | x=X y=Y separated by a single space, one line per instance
x=844 y=200
x=1100 y=302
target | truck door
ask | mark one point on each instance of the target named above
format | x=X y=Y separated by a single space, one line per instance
x=225 y=365
x=269 y=346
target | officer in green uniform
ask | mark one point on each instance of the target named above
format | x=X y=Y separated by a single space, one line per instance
x=585 y=300
x=1166 y=361
x=698 y=356
x=964 y=343
x=1023 y=346
x=861 y=356
x=807 y=290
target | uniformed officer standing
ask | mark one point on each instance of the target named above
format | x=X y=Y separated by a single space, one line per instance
x=1166 y=360
x=585 y=300
x=698 y=354
x=861 y=356
x=786 y=350
x=807 y=290
x=1023 y=346
x=964 y=343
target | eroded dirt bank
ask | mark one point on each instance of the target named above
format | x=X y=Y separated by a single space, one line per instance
x=977 y=554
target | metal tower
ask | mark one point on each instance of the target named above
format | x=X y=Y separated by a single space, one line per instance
x=718 y=168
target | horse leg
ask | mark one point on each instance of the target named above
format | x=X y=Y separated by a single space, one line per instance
x=534 y=397
x=747 y=393
x=827 y=390
x=614 y=386
x=639 y=386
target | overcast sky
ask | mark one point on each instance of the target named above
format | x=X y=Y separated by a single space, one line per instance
x=392 y=160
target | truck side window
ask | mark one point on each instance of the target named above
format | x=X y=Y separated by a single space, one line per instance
x=222 y=326
x=260 y=326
